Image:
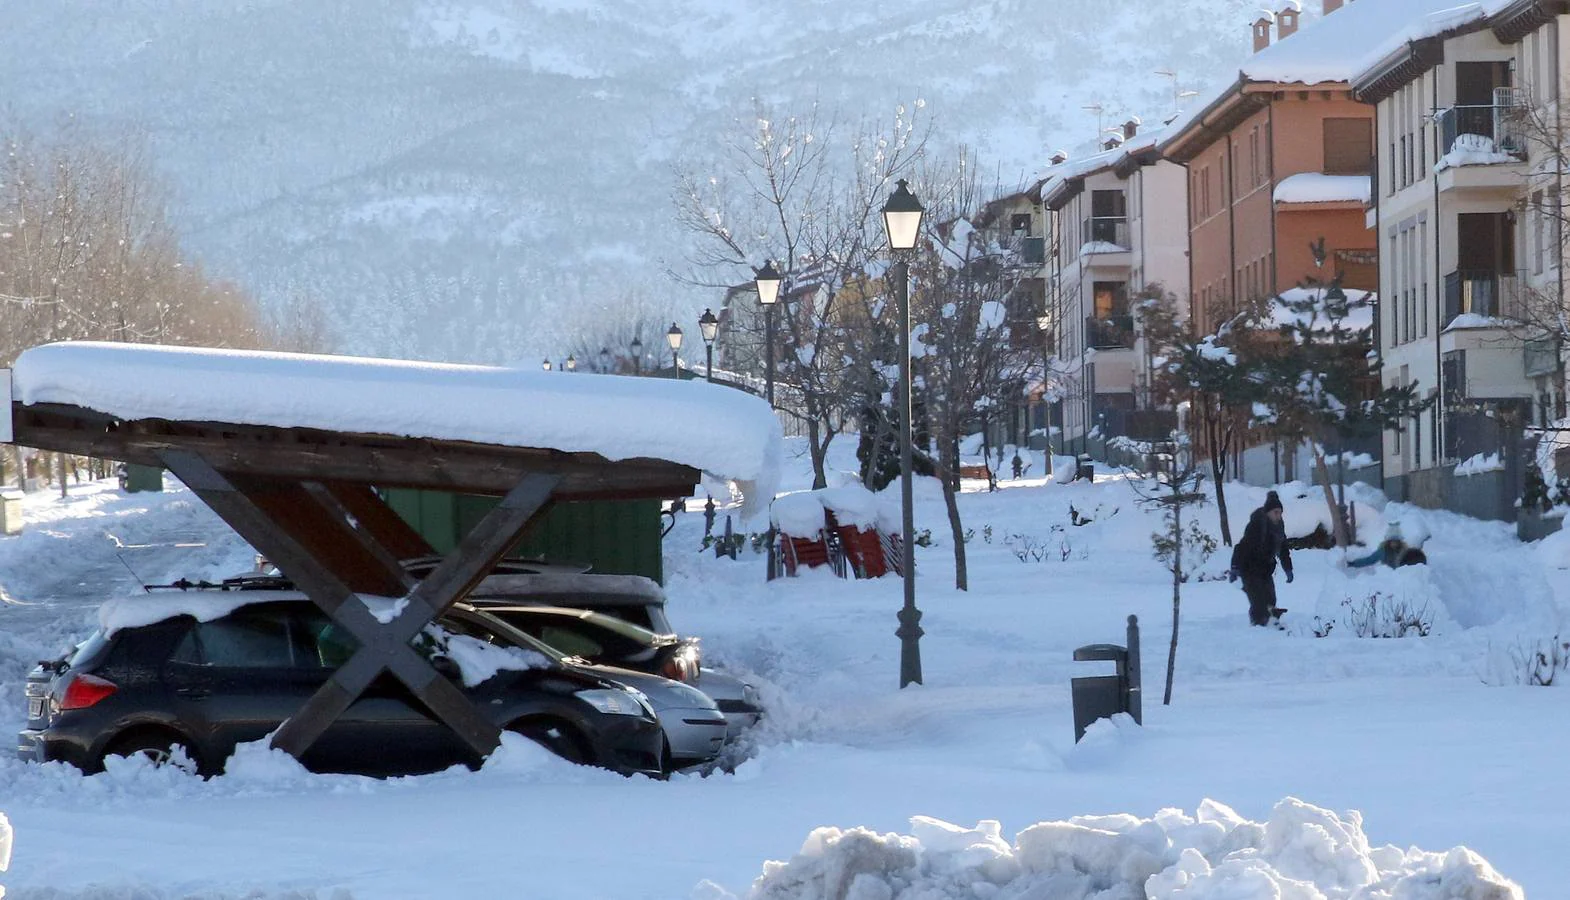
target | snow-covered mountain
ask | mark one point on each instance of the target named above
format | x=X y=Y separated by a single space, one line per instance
x=480 y=180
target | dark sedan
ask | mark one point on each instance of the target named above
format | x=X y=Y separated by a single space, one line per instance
x=201 y=688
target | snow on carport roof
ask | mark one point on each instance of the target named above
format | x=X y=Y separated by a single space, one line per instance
x=726 y=432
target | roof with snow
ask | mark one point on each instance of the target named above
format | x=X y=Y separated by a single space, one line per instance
x=728 y=433
x=1332 y=50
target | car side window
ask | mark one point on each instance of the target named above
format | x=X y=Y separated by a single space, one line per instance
x=570 y=641
x=322 y=643
x=247 y=639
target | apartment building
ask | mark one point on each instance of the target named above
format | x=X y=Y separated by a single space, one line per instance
x=1117 y=218
x=1279 y=158
x=1467 y=215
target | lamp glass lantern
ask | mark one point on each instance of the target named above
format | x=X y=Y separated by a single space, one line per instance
x=708 y=326
x=572 y=363
x=902 y=217
x=546 y=365
x=768 y=281
x=673 y=337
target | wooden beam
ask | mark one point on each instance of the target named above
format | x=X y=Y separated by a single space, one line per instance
x=315 y=520
x=385 y=526
x=382 y=647
x=486 y=543
x=380 y=460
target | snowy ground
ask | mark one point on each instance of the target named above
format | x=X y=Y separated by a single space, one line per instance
x=1405 y=731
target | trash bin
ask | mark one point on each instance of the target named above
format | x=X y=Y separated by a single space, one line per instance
x=143 y=478
x=1084 y=468
x=1103 y=696
x=11 y=511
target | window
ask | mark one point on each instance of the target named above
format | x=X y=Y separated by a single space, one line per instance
x=246 y=639
x=1537 y=232
x=1019 y=223
x=1348 y=144
x=1423 y=313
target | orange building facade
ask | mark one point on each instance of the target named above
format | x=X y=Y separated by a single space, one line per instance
x=1249 y=236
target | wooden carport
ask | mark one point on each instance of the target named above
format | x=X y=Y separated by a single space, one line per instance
x=305 y=497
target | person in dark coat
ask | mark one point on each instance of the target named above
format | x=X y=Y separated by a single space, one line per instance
x=1254 y=560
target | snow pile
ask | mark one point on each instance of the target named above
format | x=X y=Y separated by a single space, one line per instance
x=798 y=514
x=1477 y=465
x=1317 y=187
x=1093 y=247
x=1302 y=852
x=724 y=431
x=203 y=606
x=1474 y=320
x=479 y=661
x=5 y=847
x=1472 y=150
x=1554 y=550
x=1379 y=601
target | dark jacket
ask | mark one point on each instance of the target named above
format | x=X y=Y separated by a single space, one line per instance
x=1263 y=542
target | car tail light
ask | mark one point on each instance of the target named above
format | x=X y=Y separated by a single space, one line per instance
x=84 y=691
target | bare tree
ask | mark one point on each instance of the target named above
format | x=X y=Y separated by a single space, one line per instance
x=1177 y=490
x=975 y=349
x=805 y=192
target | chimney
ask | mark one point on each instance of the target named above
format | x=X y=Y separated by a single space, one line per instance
x=1286 y=20
x=1261 y=33
x=1131 y=128
x=1059 y=158
x=1331 y=6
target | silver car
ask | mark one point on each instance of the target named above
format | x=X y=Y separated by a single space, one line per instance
x=695 y=729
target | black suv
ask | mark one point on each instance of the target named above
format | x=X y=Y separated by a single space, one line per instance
x=205 y=686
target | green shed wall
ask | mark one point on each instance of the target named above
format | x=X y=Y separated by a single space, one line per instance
x=620 y=537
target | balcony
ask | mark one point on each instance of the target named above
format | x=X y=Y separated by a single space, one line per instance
x=1476 y=131
x=1110 y=333
x=1483 y=294
x=1102 y=230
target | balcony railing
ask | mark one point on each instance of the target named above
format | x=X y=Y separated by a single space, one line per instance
x=1497 y=128
x=1109 y=333
x=1482 y=293
x=1104 y=230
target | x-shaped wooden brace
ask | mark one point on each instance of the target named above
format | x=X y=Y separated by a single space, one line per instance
x=382 y=647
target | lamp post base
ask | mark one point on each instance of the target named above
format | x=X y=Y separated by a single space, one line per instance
x=909 y=633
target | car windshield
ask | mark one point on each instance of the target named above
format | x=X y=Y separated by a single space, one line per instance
x=586 y=634
x=480 y=624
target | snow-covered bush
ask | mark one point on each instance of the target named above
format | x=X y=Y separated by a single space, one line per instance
x=1198 y=545
x=1302 y=852
x=1380 y=603
x=1543 y=662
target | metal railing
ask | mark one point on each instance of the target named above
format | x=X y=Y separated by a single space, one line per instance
x=1482 y=293
x=1104 y=230
x=1109 y=332
x=1497 y=124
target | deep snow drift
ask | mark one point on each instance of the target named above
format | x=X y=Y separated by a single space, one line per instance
x=1404 y=730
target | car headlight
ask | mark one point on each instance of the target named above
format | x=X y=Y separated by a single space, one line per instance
x=614 y=702
x=749 y=695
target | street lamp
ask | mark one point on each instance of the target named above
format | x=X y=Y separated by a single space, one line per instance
x=572 y=363
x=605 y=359
x=1044 y=323
x=546 y=365
x=673 y=337
x=902 y=220
x=768 y=281
x=636 y=347
x=709 y=327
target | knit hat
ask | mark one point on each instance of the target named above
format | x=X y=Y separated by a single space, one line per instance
x=1272 y=501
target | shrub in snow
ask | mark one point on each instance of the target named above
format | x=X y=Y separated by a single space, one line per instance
x=1554 y=550
x=1302 y=852
x=1380 y=603
x=1539 y=663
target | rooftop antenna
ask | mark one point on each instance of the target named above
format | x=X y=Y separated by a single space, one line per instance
x=1178 y=94
x=1100 y=111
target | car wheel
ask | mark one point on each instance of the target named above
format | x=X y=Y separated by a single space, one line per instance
x=556 y=737
x=158 y=747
